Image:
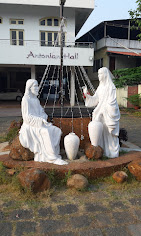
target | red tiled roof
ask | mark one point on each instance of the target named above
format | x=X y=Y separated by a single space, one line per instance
x=126 y=53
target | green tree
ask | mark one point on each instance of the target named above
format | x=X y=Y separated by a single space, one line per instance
x=136 y=18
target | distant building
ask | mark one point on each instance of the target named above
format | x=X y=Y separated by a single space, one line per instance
x=115 y=44
x=28 y=31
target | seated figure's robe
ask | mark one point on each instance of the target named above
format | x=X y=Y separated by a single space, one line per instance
x=36 y=134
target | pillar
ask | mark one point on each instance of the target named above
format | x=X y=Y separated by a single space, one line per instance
x=72 y=88
x=8 y=80
x=33 y=72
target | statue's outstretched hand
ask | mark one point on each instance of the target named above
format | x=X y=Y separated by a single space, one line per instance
x=85 y=91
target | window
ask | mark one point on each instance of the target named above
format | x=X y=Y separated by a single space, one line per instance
x=97 y=64
x=17 y=37
x=16 y=22
x=49 y=22
x=50 y=38
x=56 y=22
x=0 y=20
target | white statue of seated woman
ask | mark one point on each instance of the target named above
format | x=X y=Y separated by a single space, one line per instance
x=36 y=134
x=104 y=127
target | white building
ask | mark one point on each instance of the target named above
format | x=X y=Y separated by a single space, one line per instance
x=116 y=46
x=28 y=30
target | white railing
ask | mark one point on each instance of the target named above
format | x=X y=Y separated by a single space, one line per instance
x=39 y=43
x=116 y=43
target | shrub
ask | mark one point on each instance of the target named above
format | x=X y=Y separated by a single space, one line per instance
x=135 y=99
x=127 y=76
x=13 y=130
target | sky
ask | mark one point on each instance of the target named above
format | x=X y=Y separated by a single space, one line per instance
x=107 y=10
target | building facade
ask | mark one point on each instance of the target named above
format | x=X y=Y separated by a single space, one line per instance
x=30 y=38
x=116 y=46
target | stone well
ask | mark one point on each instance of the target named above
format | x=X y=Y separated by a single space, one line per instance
x=66 y=126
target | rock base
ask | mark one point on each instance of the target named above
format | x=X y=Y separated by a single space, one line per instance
x=18 y=152
x=91 y=169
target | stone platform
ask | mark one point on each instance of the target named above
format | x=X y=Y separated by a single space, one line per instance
x=90 y=169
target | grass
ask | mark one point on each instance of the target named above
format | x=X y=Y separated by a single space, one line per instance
x=131 y=111
x=3 y=138
x=11 y=191
x=57 y=180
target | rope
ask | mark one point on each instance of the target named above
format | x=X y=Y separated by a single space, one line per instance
x=81 y=91
x=57 y=83
x=69 y=97
x=77 y=101
x=87 y=79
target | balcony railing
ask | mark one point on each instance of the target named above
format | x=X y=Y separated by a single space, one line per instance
x=118 y=43
x=40 y=43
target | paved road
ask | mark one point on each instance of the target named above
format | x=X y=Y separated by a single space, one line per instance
x=104 y=210
x=133 y=127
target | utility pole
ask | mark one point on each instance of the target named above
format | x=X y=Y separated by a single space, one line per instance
x=62 y=3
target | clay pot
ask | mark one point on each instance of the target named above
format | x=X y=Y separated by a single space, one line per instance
x=71 y=144
x=136 y=107
x=95 y=129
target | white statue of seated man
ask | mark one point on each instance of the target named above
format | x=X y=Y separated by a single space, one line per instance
x=36 y=134
x=104 y=127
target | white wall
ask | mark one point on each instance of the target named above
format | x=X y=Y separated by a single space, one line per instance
x=139 y=88
x=12 y=54
x=33 y=54
x=122 y=94
x=31 y=16
x=69 y=3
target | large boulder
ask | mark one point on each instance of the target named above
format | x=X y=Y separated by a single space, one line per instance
x=135 y=169
x=77 y=181
x=93 y=152
x=34 y=179
x=18 y=152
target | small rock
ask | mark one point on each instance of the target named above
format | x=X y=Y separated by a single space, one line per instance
x=135 y=169
x=120 y=176
x=77 y=181
x=34 y=179
x=83 y=158
x=93 y=152
x=11 y=172
x=18 y=152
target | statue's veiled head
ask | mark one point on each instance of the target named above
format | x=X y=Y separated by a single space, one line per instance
x=31 y=87
x=105 y=76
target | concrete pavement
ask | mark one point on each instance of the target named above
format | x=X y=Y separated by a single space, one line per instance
x=104 y=210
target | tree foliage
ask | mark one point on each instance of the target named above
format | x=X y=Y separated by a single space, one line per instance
x=127 y=76
x=136 y=18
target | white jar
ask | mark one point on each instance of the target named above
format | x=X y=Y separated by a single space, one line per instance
x=71 y=144
x=95 y=129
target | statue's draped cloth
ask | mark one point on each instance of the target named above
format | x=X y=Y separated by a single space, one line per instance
x=107 y=112
x=43 y=139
